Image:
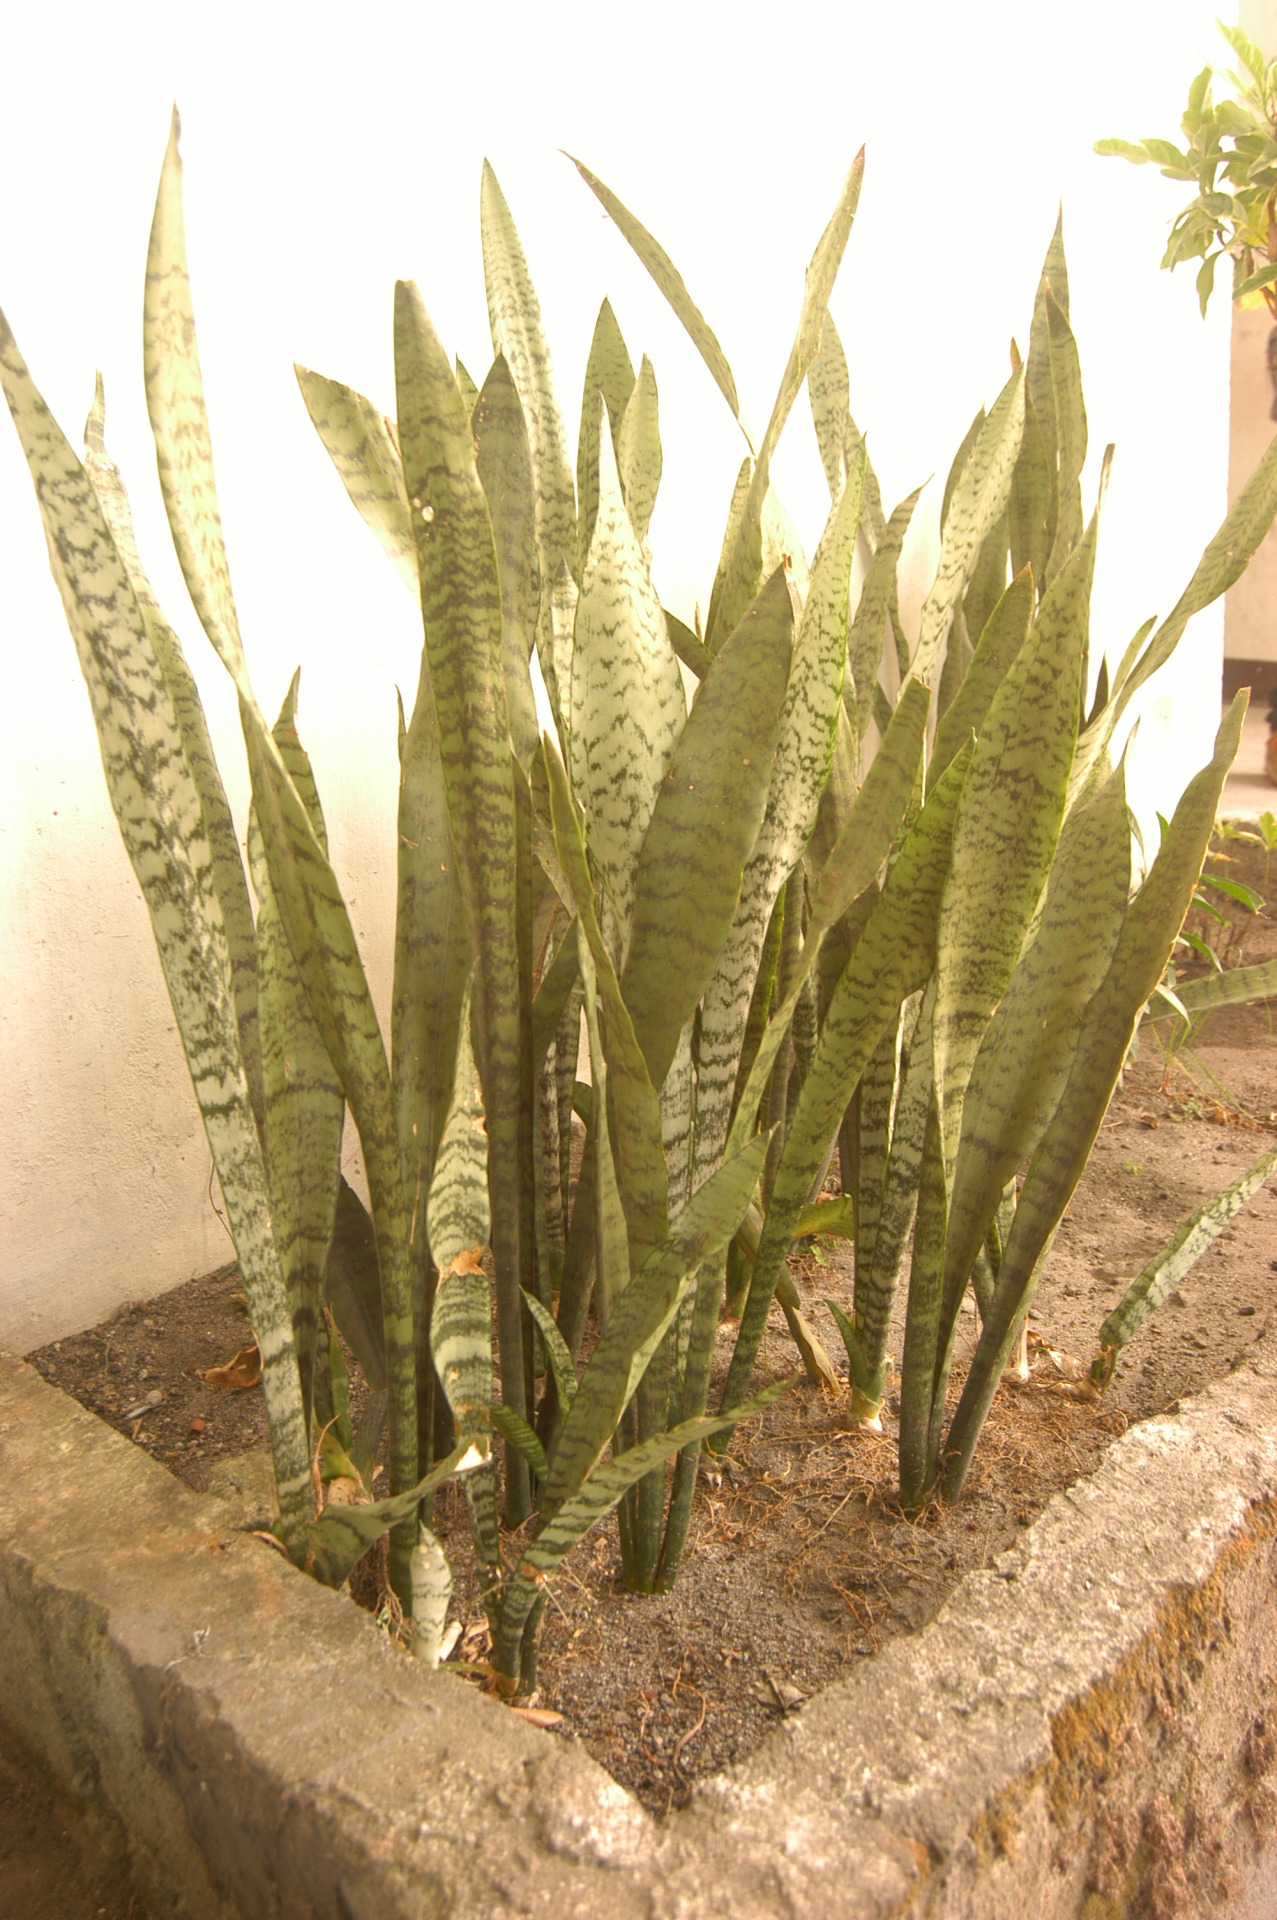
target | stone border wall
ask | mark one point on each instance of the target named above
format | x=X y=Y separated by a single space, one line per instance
x=1090 y=1730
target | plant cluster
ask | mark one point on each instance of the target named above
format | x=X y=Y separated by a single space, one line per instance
x=865 y=897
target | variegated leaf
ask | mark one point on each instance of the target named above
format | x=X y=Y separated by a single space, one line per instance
x=609 y=382
x=458 y=1222
x=638 y=450
x=361 y=445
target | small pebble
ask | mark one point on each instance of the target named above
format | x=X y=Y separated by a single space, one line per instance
x=1247 y=1311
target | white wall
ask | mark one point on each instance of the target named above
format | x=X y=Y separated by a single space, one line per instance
x=321 y=162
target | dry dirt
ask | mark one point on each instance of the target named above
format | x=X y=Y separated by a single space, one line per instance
x=800 y=1562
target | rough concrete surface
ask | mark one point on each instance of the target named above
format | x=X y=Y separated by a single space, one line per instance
x=1090 y=1731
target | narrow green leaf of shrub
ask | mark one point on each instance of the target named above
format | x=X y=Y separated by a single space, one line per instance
x=627 y=703
x=431 y=1593
x=1231 y=989
x=461 y=615
x=996 y=650
x=556 y=1350
x=803 y=753
x=157 y=805
x=1013 y=799
x=829 y=391
x=520 y=1436
x=638 y=450
x=504 y=465
x=343 y=1534
x=458 y=1223
x=979 y=500
x=360 y=443
x=1070 y=427
x=609 y=382
x=223 y=837
x=1147 y=933
x=617 y=1245
x=670 y=282
x=1167 y=1268
x=704 y=825
x=871 y=621
x=892 y=958
x=641 y=1317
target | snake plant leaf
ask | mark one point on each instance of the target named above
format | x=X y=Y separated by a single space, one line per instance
x=1224 y=561
x=1230 y=989
x=803 y=752
x=609 y=382
x=1013 y=799
x=432 y=964
x=431 y=1593
x=458 y=1223
x=636 y=1113
x=1148 y=931
x=515 y=317
x=1070 y=427
x=157 y=805
x=518 y=1434
x=461 y=615
x=1029 y=1044
x=829 y=391
x=352 y=1286
x=556 y=1350
x=741 y=569
x=695 y=656
x=641 y=1318
x=670 y=282
x=638 y=450
x=612 y=1234
x=871 y=827
x=504 y=464
x=303 y=1101
x=959 y=461
x=179 y=418
x=996 y=651
x=892 y=958
x=1030 y=509
x=879 y=1088
x=360 y=443
x=465 y=385
x=223 y=839
x=978 y=503
x=343 y=1534
x=873 y=612
x=627 y=702
x=1168 y=1266
x=704 y=825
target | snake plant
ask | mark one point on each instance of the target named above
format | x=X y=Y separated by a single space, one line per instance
x=786 y=914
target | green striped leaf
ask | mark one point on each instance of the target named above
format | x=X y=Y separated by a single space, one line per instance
x=1006 y=832
x=361 y=444
x=223 y=838
x=641 y=1317
x=803 y=754
x=611 y=1235
x=556 y=1349
x=1031 y=507
x=627 y=704
x=461 y=615
x=704 y=825
x=157 y=805
x=515 y=317
x=504 y=464
x=873 y=614
x=892 y=958
x=670 y=282
x=638 y=450
x=609 y=382
x=829 y=391
x=978 y=503
x=1070 y=427
x=431 y=1593
x=1168 y=1267
x=519 y=1435
x=458 y=1222
x=1029 y=1044
x=343 y=1534
x=1151 y=923
x=996 y=651
x=1233 y=988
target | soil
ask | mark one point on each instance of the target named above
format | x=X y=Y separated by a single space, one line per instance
x=800 y=1561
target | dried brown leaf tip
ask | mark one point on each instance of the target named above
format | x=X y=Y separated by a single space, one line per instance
x=243 y=1370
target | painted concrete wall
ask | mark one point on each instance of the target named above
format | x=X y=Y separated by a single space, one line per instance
x=319 y=168
x=1250 y=619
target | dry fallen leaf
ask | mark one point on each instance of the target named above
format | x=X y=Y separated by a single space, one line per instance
x=244 y=1370
x=539 y=1716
